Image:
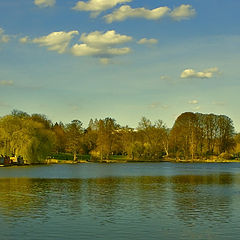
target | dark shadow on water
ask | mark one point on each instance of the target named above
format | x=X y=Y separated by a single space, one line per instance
x=188 y=197
x=203 y=198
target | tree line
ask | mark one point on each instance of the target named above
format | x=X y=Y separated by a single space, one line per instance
x=193 y=136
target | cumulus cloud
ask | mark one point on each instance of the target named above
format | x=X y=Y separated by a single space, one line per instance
x=191 y=73
x=179 y=13
x=126 y=11
x=56 y=41
x=102 y=45
x=3 y=37
x=6 y=82
x=183 y=12
x=85 y=50
x=148 y=41
x=97 y=6
x=193 y=101
x=100 y=39
x=44 y=3
x=24 y=39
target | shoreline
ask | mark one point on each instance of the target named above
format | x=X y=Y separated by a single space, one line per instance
x=56 y=161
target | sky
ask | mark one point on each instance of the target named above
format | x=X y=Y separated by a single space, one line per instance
x=120 y=58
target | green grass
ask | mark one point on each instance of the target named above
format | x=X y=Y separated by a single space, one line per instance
x=118 y=157
x=69 y=156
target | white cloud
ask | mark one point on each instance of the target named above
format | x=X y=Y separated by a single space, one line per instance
x=3 y=37
x=148 y=41
x=179 y=13
x=45 y=3
x=212 y=70
x=193 y=102
x=158 y=105
x=105 y=52
x=6 y=82
x=56 y=41
x=190 y=73
x=84 y=50
x=101 y=45
x=104 y=61
x=197 y=108
x=97 y=6
x=126 y=11
x=104 y=39
x=183 y=12
x=24 y=39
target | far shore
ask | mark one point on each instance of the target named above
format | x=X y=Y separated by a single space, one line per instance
x=112 y=161
x=56 y=161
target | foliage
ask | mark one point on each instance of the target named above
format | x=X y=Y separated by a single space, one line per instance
x=154 y=138
x=74 y=136
x=193 y=136
x=21 y=135
x=197 y=135
x=106 y=137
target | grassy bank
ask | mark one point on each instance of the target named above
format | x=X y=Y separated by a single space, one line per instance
x=67 y=158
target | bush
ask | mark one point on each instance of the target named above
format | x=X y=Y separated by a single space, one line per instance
x=226 y=156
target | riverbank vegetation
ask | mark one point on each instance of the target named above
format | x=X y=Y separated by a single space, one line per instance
x=194 y=136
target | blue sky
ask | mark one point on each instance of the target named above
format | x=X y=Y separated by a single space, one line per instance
x=128 y=59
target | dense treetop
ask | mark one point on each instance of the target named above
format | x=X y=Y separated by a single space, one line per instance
x=193 y=136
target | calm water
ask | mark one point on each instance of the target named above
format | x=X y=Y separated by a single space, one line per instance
x=120 y=201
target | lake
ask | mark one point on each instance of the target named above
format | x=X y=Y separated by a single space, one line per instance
x=121 y=201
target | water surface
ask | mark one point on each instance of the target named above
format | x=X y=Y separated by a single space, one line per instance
x=120 y=201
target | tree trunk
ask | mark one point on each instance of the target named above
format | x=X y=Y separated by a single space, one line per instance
x=101 y=153
x=75 y=156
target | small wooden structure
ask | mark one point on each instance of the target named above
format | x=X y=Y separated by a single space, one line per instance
x=1 y=161
x=14 y=160
x=10 y=161
x=7 y=161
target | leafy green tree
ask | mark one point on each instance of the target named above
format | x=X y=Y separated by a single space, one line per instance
x=184 y=135
x=155 y=138
x=21 y=135
x=226 y=134
x=237 y=144
x=74 y=134
x=197 y=135
x=106 y=137
x=127 y=138
x=90 y=137
x=41 y=118
x=61 y=138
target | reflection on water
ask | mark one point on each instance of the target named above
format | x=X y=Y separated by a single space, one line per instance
x=202 y=197
x=154 y=207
